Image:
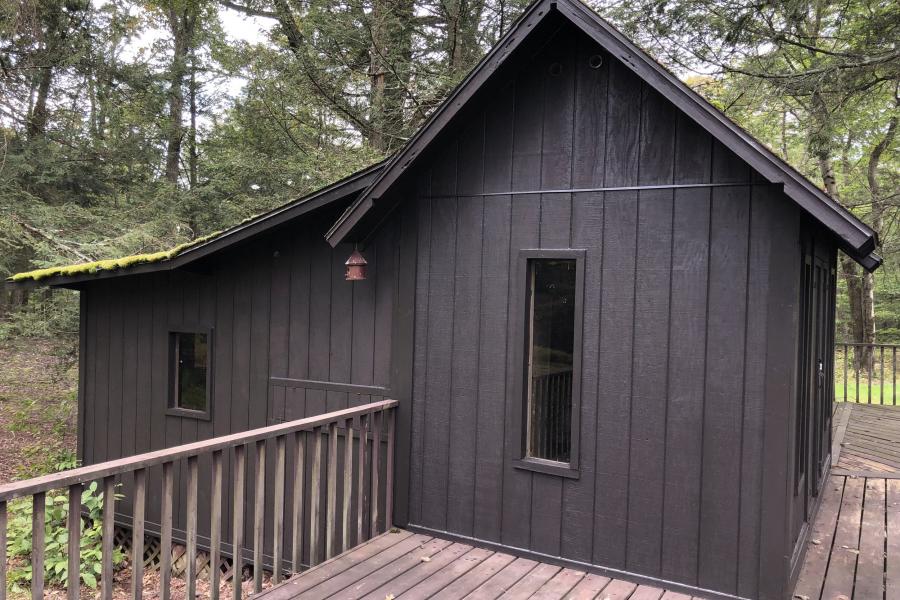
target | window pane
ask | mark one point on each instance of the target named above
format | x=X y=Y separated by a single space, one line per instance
x=191 y=353
x=551 y=341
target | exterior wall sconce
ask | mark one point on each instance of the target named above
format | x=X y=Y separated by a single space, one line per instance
x=356 y=267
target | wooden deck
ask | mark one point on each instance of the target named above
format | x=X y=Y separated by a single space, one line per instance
x=867 y=439
x=401 y=564
x=854 y=548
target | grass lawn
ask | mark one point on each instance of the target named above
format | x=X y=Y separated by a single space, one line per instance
x=864 y=389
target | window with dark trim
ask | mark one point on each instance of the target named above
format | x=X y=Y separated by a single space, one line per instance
x=189 y=353
x=551 y=341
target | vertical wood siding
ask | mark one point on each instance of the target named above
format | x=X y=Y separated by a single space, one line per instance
x=278 y=307
x=675 y=338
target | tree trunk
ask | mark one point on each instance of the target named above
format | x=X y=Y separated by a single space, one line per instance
x=37 y=121
x=192 y=134
x=181 y=26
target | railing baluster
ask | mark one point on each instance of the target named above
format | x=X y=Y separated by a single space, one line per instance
x=376 y=452
x=299 y=477
x=894 y=376
x=259 y=515
x=109 y=531
x=191 y=573
x=846 y=358
x=361 y=479
x=870 y=359
x=314 y=491
x=73 y=578
x=137 y=534
x=331 y=498
x=278 y=517
x=881 y=386
x=38 y=516
x=389 y=470
x=165 y=538
x=856 y=399
x=347 y=485
x=237 y=533
x=215 y=526
x=2 y=550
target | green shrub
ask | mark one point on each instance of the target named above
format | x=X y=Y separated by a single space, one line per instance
x=56 y=565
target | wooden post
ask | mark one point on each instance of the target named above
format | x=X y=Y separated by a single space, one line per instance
x=361 y=479
x=259 y=515
x=389 y=476
x=191 y=573
x=376 y=451
x=38 y=516
x=137 y=534
x=108 y=535
x=73 y=579
x=331 y=509
x=347 y=484
x=314 y=491
x=237 y=534
x=297 y=515
x=215 y=525
x=165 y=538
x=278 y=516
x=3 y=550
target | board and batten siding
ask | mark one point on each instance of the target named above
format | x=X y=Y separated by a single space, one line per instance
x=277 y=308
x=676 y=328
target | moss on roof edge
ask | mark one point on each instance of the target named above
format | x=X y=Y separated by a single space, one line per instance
x=111 y=264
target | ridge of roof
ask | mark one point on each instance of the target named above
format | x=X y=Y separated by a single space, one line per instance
x=855 y=237
x=193 y=250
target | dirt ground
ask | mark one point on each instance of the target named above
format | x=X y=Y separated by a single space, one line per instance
x=37 y=408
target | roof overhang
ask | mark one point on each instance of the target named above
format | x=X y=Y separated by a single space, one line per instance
x=854 y=237
x=348 y=187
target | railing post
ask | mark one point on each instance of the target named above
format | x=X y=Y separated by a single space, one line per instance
x=165 y=538
x=331 y=498
x=259 y=515
x=137 y=534
x=297 y=514
x=215 y=525
x=278 y=517
x=73 y=517
x=109 y=524
x=237 y=533
x=38 y=515
x=389 y=476
x=191 y=573
x=314 y=491
x=347 y=484
x=3 y=550
x=361 y=478
x=376 y=453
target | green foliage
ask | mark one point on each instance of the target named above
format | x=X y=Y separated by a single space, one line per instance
x=56 y=541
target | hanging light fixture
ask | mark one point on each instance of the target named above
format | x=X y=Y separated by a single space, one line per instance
x=356 y=266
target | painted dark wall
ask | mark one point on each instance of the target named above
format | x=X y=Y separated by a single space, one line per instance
x=278 y=307
x=689 y=330
x=689 y=341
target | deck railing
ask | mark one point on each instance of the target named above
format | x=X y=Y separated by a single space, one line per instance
x=866 y=373
x=354 y=438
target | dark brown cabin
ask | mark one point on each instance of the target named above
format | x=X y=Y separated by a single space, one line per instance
x=606 y=312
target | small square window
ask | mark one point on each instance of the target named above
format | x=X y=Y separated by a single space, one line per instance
x=190 y=354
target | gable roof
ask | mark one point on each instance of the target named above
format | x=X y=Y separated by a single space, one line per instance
x=854 y=237
x=185 y=254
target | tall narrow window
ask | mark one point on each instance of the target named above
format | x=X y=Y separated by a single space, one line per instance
x=190 y=373
x=552 y=284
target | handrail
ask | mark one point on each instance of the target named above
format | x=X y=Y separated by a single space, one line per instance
x=45 y=483
x=354 y=439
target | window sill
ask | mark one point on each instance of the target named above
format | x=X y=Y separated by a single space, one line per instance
x=547 y=467
x=189 y=414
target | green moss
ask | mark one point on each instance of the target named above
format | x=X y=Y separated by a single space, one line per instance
x=111 y=264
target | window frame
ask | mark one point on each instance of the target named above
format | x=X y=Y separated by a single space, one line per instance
x=172 y=408
x=520 y=386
